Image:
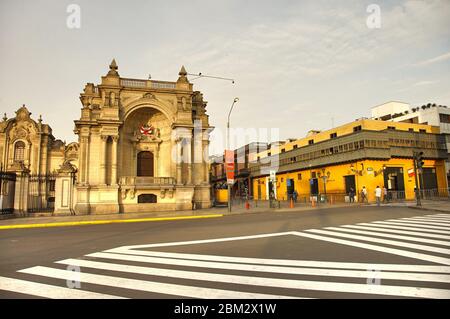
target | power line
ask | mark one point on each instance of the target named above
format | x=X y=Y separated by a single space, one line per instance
x=200 y=75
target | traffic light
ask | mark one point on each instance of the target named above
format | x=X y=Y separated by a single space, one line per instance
x=419 y=160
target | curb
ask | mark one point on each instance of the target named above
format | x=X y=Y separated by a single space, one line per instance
x=430 y=209
x=103 y=222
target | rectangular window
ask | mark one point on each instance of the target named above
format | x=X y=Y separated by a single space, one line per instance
x=283 y=150
x=299 y=176
x=444 y=118
x=311 y=142
x=411 y=129
x=357 y=128
x=391 y=127
x=333 y=135
x=422 y=131
x=295 y=146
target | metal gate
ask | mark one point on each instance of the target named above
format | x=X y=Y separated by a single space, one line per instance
x=41 y=193
x=7 y=188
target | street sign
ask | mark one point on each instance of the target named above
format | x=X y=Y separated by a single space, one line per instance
x=411 y=172
x=229 y=166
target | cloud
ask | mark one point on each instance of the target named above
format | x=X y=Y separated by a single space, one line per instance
x=422 y=83
x=440 y=58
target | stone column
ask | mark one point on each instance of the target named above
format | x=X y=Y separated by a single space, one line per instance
x=115 y=139
x=64 y=190
x=103 y=140
x=188 y=160
x=21 y=190
x=205 y=162
x=84 y=159
x=179 y=161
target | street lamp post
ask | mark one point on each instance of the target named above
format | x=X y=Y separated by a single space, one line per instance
x=228 y=148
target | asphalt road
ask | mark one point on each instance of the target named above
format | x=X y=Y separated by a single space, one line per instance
x=283 y=255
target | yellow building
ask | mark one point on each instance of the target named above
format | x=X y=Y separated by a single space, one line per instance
x=364 y=153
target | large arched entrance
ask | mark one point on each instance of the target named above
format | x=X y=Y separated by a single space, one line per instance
x=145 y=164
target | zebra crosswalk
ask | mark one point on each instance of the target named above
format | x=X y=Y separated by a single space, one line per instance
x=148 y=269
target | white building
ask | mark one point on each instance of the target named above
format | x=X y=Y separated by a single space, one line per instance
x=431 y=114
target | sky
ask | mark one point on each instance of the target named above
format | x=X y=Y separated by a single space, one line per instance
x=297 y=65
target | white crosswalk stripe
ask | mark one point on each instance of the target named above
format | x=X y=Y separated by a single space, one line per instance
x=391 y=226
x=128 y=270
x=407 y=223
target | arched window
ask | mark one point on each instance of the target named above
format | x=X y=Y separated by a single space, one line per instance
x=19 y=151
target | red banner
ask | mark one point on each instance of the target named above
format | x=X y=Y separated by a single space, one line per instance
x=229 y=165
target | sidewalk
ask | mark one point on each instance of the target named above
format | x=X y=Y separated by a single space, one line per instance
x=431 y=205
x=215 y=212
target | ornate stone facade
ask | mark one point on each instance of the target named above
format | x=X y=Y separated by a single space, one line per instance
x=26 y=144
x=143 y=146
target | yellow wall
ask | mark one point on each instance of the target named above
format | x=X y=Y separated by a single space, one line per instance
x=335 y=184
x=222 y=195
x=372 y=125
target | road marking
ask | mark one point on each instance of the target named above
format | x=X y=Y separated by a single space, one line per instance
x=444 y=222
x=405 y=223
x=396 y=231
x=282 y=262
x=410 y=238
x=382 y=241
x=441 y=215
x=286 y=283
x=270 y=269
x=204 y=241
x=102 y=222
x=425 y=230
x=49 y=291
x=394 y=251
x=152 y=286
x=408 y=220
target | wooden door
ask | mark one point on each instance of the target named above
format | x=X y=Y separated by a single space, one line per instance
x=145 y=164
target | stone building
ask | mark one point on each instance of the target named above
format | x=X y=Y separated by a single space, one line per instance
x=143 y=146
x=31 y=159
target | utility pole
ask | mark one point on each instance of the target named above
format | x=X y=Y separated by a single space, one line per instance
x=227 y=151
x=417 y=191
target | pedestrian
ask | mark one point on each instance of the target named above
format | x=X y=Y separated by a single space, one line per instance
x=351 y=194
x=385 y=195
x=364 y=195
x=294 y=195
x=378 y=195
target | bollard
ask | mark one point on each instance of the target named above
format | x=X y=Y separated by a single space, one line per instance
x=291 y=204
x=247 y=205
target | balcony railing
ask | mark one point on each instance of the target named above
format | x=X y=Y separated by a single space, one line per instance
x=136 y=83
x=146 y=181
x=133 y=83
